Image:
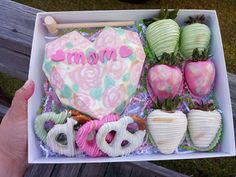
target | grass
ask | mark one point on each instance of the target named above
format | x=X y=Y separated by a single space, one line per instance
x=9 y=84
x=226 y=11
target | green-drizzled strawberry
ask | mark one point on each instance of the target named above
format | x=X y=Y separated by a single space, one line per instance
x=195 y=35
x=163 y=33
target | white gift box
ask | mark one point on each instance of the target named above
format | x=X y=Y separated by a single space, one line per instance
x=221 y=88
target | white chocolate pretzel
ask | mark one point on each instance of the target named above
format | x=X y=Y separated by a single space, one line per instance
x=115 y=148
x=67 y=129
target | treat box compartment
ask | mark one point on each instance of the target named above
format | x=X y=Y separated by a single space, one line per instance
x=35 y=73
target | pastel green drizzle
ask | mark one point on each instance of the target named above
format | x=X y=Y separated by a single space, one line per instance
x=131 y=90
x=108 y=81
x=76 y=87
x=96 y=93
x=48 y=67
x=41 y=119
x=69 y=45
x=163 y=36
x=66 y=92
x=119 y=109
x=194 y=36
x=120 y=31
x=126 y=77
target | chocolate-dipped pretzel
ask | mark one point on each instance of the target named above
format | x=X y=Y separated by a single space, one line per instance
x=141 y=122
x=115 y=147
x=79 y=117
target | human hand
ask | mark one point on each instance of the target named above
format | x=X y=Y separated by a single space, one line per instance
x=13 y=134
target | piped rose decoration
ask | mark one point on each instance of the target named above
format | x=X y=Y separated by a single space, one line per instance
x=88 y=76
x=56 y=79
x=113 y=96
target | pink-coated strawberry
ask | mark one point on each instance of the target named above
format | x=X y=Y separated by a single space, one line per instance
x=200 y=76
x=164 y=82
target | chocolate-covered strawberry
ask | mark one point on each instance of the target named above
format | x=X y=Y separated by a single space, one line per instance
x=204 y=127
x=163 y=33
x=194 y=35
x=199 y=74
x=164 y=80
x=167 y=125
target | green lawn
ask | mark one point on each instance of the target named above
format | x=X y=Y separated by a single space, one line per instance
x=226 y=11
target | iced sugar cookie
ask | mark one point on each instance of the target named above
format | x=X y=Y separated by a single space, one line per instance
x=98 y=77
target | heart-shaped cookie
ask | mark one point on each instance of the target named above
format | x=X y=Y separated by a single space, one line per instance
x=96 y=78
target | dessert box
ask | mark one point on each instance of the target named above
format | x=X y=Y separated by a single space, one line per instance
x=221 y=88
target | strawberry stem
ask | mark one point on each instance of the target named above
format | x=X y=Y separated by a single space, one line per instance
x=200 y=55
x=170 y=104
x=200 y=105
x=197 y=19
x=164 y=14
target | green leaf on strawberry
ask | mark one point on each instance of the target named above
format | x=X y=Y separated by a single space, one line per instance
x=170 y=104
x=164 y=14
x=163 y=32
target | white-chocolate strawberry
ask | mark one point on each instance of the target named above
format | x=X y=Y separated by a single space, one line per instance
x=203 y=127
x=167 y=125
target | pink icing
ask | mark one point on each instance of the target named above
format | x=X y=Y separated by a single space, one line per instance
x=108 y=38
x=133 y=37
x=78 y=57
x=88 y=145
x=109 y=53
x=125 y=51
x=140 y=53
x=113 y=96
x=135 y=72
x=51 y=48
x=82 y=102
x=115 y=69
x=92 y=58
x=56 y=79
x=200 y=77
x=87 y=76
x=164 y=82
x=58 y=56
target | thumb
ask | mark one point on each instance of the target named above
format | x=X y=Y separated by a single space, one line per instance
x=24 y=93
x=19 y=102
